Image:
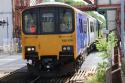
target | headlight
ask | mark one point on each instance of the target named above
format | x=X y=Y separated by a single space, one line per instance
x=68 y=48
x=30 y=48
x=64 y=48
x=33 y=49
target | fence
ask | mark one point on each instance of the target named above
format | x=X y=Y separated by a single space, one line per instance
x=113 y=74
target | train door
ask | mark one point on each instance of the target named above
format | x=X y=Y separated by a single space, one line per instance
x=85 y=31
x=88 y=31
x=95 y=29
x=91 y=25
x=81 y=32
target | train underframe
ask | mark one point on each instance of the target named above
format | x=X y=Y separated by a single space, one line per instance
x=48 y=66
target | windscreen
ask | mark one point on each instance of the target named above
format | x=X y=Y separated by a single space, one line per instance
x=48 y=21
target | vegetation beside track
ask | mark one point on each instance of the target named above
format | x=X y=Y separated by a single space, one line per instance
x=106 y=47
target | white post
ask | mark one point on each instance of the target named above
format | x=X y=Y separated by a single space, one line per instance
x=122 y=26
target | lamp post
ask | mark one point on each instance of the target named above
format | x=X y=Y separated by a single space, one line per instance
x=7 y=29
x=122 y=27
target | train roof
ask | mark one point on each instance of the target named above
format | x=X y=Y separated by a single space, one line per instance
x=55 y=4
x=52 y=4
x=60 y=4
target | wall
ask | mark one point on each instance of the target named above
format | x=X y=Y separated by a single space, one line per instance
x=111 y=19
x=106 y=2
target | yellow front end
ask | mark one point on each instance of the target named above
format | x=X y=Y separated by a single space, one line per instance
x=48 y=45
x=49 y=37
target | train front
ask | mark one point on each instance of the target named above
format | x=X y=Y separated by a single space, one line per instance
x=48 y=37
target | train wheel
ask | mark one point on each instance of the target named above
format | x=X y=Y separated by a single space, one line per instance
x=79 y=62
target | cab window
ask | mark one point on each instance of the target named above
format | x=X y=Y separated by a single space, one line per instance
x=30 y=24
x=47 y=22
x=65 y=20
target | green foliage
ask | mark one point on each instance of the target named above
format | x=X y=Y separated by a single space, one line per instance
x=60 y=0
x=46 y=0
x=77 y=4
x=101 y=44
x=100 y=76
x=105 y=47
x=101 y=69
x=111 y=41
x=93 y=80
x=105 y=55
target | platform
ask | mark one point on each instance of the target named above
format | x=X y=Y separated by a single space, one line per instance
x=10 y=63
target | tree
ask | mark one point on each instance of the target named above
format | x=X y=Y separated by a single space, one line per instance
x=60 y=0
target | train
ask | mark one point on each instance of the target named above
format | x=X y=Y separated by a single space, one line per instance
x=57 y=36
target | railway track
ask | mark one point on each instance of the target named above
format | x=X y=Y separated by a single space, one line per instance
x=81 y=76
x=39 y=79
x=25 y=77
x=5 y=74
x=21 y=76
x=29 y=79
x=18 y=76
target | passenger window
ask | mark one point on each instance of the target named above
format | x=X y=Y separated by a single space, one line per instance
x=92 y=26
x=85 y=26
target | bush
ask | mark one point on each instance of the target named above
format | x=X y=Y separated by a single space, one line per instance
x=105 y=47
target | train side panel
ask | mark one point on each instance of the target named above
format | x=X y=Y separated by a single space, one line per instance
x=81 y=30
